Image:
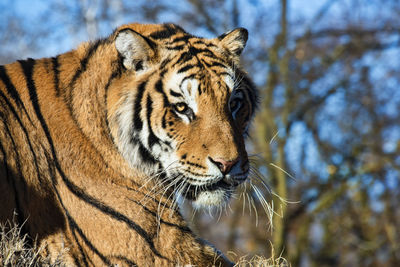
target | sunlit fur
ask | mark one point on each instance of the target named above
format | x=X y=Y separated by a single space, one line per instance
x=97 y=144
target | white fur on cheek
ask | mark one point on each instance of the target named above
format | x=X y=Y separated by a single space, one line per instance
x=125 y=119
x=122 y=124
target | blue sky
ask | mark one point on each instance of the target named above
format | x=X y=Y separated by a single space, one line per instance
x=33 y=10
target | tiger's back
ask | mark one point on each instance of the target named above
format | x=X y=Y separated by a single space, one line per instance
x=84 y=135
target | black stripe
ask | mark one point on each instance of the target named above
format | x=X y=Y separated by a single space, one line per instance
x=195 y=164
x=164 y=63
x=160 y=89
x=200 y=41
x=178 y=47
x=115 y=215
x=186 y=68
x=195 y=51
x=69 y=96
x=20 y=214
x=173 y=93
x=114 y=74
x=27 y=67
x=185 y=56
x=14 y=112
x=81 y=251
x=162 y=73
x=152 y=139
x=126 y=260
x=137 y=121
x=167 y=32
x=164 y=34
x=212 y=56
x=211 y=45
x=35 y=161
x=75 y=226
x=71 y=222
x=184 y=38
x=12 y=91
x=146 y=155
x=214 y=64
x=82 y=68
x=56 y=75
x=163 y=121
x=168 y=144
x=152 y=44
x=31 y=62
x=222 y=36
x=226 y=73
x=83 y=64
x=50 y=163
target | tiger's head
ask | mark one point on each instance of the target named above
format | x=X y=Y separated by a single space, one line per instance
x=182 y=106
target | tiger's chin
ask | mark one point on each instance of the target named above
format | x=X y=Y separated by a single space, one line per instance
x=214 y=198
x=213 y=195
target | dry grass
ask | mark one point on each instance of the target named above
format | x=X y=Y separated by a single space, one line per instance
x=15 y=251
x=261 y=261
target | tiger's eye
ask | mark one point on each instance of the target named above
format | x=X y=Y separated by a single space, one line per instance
x=234 y=104
x=181 y=107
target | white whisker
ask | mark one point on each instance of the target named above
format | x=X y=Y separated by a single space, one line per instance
x=272 y=139
x=279 y=168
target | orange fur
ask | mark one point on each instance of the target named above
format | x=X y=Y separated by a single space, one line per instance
x=64 y=166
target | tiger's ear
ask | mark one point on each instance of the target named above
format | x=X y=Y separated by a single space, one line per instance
x=234 y=41
x=136 y=50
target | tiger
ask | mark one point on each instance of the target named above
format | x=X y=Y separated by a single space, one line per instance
x=99 y=145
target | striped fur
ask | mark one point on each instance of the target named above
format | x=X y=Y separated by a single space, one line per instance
x=97 y=144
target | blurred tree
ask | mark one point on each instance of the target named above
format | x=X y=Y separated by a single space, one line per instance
x=326 y=140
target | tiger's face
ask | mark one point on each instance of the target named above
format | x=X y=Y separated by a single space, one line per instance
x=205 y=128
x=183 y=107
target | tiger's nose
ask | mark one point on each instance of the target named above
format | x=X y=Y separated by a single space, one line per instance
x=224 y=165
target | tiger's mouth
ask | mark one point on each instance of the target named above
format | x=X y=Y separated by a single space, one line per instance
x=206 y=190
x=223 y=188
x=193 y=191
